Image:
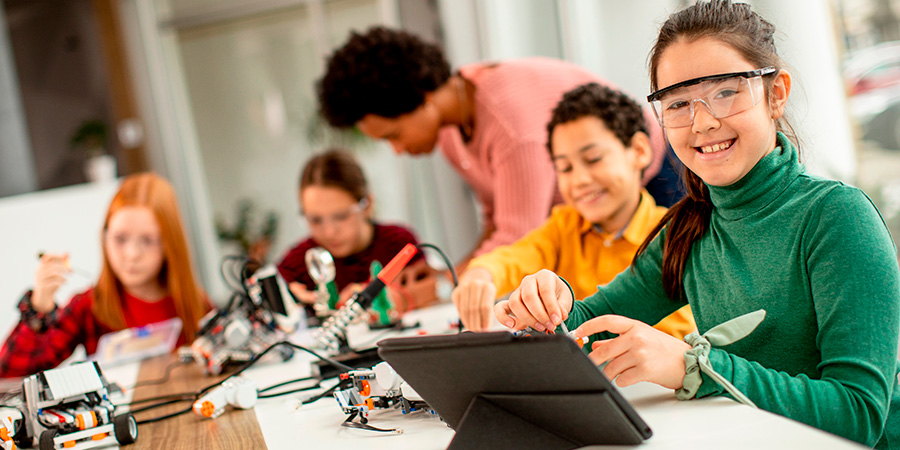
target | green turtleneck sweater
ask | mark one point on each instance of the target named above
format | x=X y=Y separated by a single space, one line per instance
x=814 y=254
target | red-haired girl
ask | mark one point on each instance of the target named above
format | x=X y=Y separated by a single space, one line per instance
x=146 y=278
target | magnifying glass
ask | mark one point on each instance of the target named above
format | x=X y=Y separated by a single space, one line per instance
x=320 y=265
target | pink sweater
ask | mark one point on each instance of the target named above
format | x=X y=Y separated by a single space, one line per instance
x=507 y=163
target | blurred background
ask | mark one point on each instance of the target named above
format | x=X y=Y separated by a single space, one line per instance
x=218 y=96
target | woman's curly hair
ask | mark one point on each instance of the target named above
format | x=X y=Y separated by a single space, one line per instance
x=622 y=115
x=383 y=72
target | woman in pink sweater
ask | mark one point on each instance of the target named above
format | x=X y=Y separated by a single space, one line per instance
x=489 y=120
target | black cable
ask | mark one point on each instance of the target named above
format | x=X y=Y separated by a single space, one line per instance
x=167 y=416
x=285 y=383
x=446 y=261
x=256 y=358
x=459 y=324
x=364 y=425
x=219 y=313
x=162 y=380
x=160 y=398
x=292 y=391
x=395 y=328
x=193 y=396
x=321 y=395
x=157 y=405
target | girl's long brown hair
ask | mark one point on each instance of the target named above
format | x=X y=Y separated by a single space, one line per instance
x=753 y=37
x=176 y=276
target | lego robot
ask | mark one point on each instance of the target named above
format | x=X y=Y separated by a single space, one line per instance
x=263 y=315
x=68 y=408
x=361 y=391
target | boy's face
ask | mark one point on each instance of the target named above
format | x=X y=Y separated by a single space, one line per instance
x=596 y=173
x=415 y=132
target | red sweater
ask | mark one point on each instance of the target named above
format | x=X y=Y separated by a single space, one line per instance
x=387 y=241
x=29 y=351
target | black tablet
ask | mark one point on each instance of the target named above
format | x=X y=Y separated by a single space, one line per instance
x=501 y=391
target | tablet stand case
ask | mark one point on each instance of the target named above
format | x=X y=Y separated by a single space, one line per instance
x=546 y=421
x=498 y=391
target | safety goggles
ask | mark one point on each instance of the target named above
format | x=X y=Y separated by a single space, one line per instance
x=723 y=95
x=338 y=219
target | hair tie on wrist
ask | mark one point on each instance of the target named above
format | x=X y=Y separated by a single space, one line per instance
x=696 y=360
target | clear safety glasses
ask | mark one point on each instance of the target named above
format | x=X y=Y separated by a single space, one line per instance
x=723 y=95
x=338 y=219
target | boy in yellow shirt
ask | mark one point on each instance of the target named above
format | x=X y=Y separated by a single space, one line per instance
x=599 y=146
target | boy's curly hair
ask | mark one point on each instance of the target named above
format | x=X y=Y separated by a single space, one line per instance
x=383 y=72
x=622 y=115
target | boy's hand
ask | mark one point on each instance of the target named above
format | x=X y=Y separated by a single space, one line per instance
x=50 y=275
x=639 y=352
x=542 y=301
x=474 y=297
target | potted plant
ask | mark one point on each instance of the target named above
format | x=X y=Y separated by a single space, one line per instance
x=91 y=137
x=252 y=238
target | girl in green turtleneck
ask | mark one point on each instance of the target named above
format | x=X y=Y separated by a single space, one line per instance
x=793 y=280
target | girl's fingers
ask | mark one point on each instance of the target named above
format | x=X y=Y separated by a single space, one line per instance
x=606 y=323
x=629 y=376
x=618 y=365
x=602 y=351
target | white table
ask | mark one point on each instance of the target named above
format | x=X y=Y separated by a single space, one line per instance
x=711 y=423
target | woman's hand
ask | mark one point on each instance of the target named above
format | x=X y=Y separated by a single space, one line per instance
x=639 y=352
x=474 y=297
x=542 y=301
x=50 y=275
x=301 y=293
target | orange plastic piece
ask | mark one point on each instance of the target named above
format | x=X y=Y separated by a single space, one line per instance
x=366 y=389
x=370 y=404
x=69 y=444
x=399 y=261
x=207 y=408
x=98 y=437
x=79 y=421
x=4 y=434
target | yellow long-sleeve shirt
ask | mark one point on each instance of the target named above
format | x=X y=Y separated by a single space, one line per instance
x=569 y=245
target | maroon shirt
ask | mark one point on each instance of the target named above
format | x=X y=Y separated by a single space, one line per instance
x=387 y=241
x=29 y=351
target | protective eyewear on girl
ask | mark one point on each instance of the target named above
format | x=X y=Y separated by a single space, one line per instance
x=723 y=95
x=339 y=218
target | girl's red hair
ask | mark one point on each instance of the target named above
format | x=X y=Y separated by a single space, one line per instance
x=176 y=276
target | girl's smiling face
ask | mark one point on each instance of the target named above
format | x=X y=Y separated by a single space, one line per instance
x=721 y=151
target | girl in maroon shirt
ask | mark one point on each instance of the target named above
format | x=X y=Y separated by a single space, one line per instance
x=337 y=206
x=146 y=277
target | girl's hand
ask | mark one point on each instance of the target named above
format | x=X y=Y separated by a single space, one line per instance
x=349 y=291
x=304 y=295
x=639 y=352
x=50 y=275
x=542 y=301
x=474 y=297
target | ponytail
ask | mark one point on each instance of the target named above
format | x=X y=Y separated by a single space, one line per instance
x=685 y=223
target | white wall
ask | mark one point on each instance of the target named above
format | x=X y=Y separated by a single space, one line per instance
x=613 y=39
x=66 y=219
x=818 y=103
